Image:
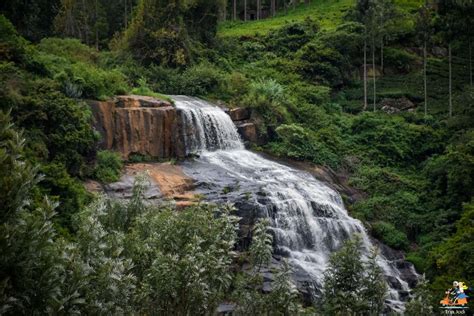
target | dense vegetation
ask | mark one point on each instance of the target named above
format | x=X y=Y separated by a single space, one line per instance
x=302 y=72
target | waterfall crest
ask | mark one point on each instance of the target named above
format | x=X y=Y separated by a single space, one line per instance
x=308 y=218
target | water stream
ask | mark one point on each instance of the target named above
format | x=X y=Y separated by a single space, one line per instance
x=307 y=218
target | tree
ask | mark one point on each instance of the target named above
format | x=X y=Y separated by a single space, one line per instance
x=32 y=18
x=83 y=19
x=451 y=25
x=425 y=31
x=362 y=8
x=245 y=10
x=261 y=247
x=375 y=287
x=282 y=299
x=350 y=285
x=164 y=31
x=420 y=303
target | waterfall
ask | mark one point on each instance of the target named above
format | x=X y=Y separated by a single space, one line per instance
x=308 y=219
x=206 y=127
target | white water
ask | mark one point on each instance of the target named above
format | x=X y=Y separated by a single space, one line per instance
x=308 y=219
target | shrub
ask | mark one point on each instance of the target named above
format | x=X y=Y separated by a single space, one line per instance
x=291 y=37
x=200 y=79
x=300 y=143
x=74 y=66
x=390 y=235
x=399 y=59
x=13 y=46
x=108 y=166
x=267 y=97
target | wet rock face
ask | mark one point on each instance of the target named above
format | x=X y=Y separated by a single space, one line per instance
x=239 y=114
x=248 y=132
x=138 y=125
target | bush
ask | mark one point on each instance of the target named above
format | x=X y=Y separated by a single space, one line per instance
x=108 y=166
x=300 y=143
x=291 y=37
x=200 y=80
x=390 y=235
x=399 y=59
x=74 y=66
x=13 y=46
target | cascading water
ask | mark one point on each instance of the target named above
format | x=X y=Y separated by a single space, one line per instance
x=308 y=219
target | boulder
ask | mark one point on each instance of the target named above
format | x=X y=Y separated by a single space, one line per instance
x=164 y=181
x=239 y=114
x=439 y=51
x=390 y=105
x=248 y=132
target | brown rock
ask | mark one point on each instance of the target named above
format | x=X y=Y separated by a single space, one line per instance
x=93 y=186
x=136 y=124
x=165 y=181
x=137 y=101
x=239 y=114
x=248 y=132
x=390 y=105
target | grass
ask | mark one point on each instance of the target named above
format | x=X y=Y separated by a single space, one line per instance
x=329 y=13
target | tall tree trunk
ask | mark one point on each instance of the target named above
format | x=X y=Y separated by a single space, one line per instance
x=224 y=13
x=245 y=10
x=273 y=5
x=450 y=82
x=234 y=11
x=258 y=9
x=96 y=25
x=381 y=54
x=374 y=70
x=425 y=78
x=365 y=73
x=125 y=17
x=470 y=60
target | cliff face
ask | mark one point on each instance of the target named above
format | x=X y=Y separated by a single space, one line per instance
x=137 y=124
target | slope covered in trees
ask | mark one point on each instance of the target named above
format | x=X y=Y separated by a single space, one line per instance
x=397 y=122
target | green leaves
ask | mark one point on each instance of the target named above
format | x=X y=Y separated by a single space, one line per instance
x=352 y=286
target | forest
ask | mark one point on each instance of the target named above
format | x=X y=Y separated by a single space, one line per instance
x=379 y=93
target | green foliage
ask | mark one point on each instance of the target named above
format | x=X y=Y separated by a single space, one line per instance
x=108 y=166
x=291 y=37
x=267 y=97
x=453 y=257
x=352 y=286
x=261 y=247
x=74 y=66
x=282 y=300
x=420 y=302
x=391 y=140
x=13 y=46
x=399 y=59
x=300 y=143
x=163 y=32
x=391 y=236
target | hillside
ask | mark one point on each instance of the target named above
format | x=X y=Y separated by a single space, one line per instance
x=162 y=159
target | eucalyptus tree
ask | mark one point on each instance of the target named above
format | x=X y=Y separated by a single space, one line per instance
x=424 y=26
x=362 y=8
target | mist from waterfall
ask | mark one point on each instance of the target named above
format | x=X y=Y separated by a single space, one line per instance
x=307 y=218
